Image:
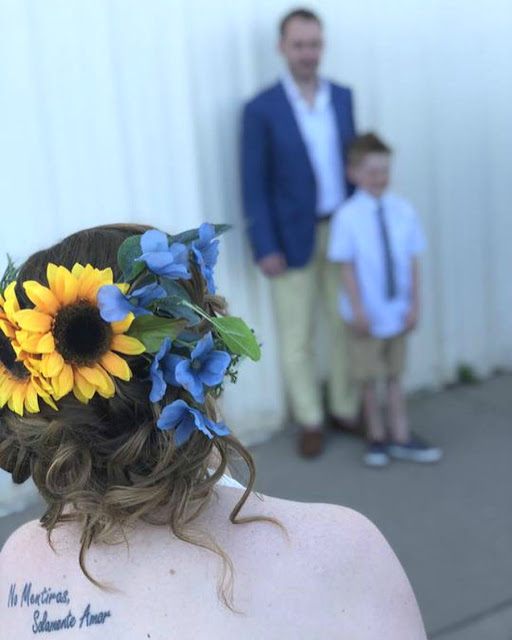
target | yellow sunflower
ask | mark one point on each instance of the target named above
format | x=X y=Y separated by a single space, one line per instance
x=20 y=383
x=78 y=349
x=9 y=306
x=21 y=389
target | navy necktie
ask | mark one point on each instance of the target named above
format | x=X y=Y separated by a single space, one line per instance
x=386 y=250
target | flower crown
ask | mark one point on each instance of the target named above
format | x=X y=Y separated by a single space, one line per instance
x=83 y=326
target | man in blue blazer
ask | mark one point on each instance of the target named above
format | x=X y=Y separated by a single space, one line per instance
x=293 y=139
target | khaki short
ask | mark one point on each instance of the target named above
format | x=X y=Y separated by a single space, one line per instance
x=372 y=357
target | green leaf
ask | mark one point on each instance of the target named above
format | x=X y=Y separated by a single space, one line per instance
x=127 y=255
x=193 y=234
x=10 y=274
x=237 y=336
x=173 y=306
x=151 y=330
x=173 y=288
x=144 y=278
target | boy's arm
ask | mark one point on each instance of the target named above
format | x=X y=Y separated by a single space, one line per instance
x=412 y=315
x=349 y=281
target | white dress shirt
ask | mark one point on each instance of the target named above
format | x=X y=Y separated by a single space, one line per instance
x=319 y=130
x=355 y=237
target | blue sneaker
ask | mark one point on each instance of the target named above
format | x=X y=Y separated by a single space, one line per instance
x=376 y=454
x=415 y=450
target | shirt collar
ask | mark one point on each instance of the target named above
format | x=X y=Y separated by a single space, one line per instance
x=371 y=199
x=322 y=96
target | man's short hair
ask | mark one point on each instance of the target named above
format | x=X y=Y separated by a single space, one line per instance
x=364 y=144
x=303 y=14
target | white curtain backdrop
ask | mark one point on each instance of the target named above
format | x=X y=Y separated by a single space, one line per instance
x=128 y=110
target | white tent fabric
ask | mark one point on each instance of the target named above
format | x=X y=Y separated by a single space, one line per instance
x=127 y=110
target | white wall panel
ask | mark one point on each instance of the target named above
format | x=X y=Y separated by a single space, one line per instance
x=128 y=110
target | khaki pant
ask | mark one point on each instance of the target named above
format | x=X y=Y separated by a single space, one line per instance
x=372 y=357
x=297 y=296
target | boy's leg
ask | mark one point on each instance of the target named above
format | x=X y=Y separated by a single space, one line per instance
x=397 y=411
x=403 y=445
x=376 y=431
x=342 y=394
x=364 y=356
x=394 y=363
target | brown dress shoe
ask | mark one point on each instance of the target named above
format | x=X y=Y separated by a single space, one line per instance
x=311 y=442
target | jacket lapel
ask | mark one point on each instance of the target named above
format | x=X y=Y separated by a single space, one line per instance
x=345 y=131
x=289 y=122
x=341 y=116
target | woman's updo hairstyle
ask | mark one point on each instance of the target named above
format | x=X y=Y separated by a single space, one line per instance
x=104 y=464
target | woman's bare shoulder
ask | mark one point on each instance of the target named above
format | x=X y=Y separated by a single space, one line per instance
x=22 y=543
x=352 y=557
x=24 y=535
x=315 y=530
x=312 y=518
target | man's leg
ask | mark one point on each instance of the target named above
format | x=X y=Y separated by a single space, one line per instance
x=343 y=396
x=293 y=295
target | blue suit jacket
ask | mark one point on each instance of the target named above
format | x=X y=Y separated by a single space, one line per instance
x=278 y=183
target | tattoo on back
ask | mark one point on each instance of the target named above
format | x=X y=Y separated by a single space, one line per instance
x=38 y=602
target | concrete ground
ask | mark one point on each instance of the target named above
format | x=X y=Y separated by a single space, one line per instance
x=450 y=524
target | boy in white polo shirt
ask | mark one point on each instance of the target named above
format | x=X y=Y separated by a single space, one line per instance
x=377 y=239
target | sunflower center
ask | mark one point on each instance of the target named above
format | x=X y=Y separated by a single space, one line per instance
x=8 y=358
x=81 y=335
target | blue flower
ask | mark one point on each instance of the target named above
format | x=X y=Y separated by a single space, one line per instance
x=142 y=296
x=156 y=372
x=114 y=305
x=206 y=366
x=162 y=259
x=205 y=251
x=184 y=419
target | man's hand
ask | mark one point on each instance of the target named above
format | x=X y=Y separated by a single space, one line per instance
x=411 y=319
x=361 y=324
x=274 y=264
